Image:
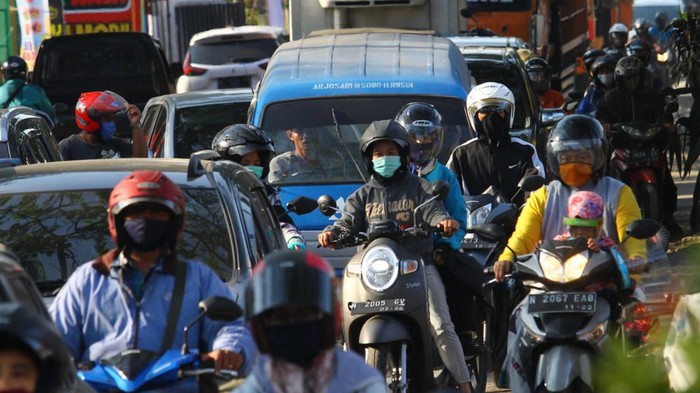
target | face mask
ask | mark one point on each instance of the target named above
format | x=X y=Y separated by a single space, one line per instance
x=575 y=174
x=258 y=170
x=494 y=126
x=386 y=166
x=297 y=343
x=607 y=79
x=107 y=130
x=146 y=234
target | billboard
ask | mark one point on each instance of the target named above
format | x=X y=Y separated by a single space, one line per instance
x=99 y=16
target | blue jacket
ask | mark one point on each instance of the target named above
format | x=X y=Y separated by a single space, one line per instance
x=97 y=319
x=352 y=375
x=31 y=96
x=454 y=204
x=591 y=98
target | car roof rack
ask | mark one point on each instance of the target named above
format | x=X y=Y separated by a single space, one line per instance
x=195 y=168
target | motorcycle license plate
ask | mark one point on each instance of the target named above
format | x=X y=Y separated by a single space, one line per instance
x=377 y=306
x=472 y=242
x=561 y=302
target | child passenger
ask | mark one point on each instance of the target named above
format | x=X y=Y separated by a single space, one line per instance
x=585 y=220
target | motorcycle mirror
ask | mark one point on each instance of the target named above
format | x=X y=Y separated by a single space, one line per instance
x=671 y=107
x=220 y=308
x=491 y=233
x=440 y=189
x=551 y=116
x=531 y=183
x=302 y=205
x=327 y=205
x=643 y=229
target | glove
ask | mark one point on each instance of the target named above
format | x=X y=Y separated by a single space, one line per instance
x=296 y=244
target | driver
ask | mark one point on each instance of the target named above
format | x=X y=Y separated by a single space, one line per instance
x=121 y=300
x=306 y=161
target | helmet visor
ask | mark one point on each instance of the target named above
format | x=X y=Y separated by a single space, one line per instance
x=580 y=151
x=487 y=107
x=538 y=76
x=108 y=103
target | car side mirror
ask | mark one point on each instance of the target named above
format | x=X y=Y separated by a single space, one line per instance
x=531 y=183
x=440 y=189
x=302 y=205
x=327 y=205
x=551 y=116
x=491 y=233
x=220 y=308
x=643 y=229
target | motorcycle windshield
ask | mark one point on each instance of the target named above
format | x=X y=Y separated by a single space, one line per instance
x=131 y=363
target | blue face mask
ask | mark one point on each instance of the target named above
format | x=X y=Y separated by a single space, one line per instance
x=258 y=170
x=107 y=130
x=386 y=166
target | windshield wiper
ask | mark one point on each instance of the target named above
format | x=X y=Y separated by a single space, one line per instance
x=49 y=287
x=345 y=147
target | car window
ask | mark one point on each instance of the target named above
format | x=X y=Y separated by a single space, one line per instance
x=155 y=121
x=196 y=126
x=239 y=51
x=56 y=232
x=353 y=116
x=511 y=78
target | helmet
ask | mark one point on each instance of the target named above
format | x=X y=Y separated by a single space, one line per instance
x=590 y=56
x=14 y=67
x=382 y=130
x=27 y=331
x=641 y=49
x=489 y=94
x=298 y=279
x=150 y=188
x=629 y=73
x=540 y=73
x=641 y=27
x=425 y=128
x=93 y=105
x=618 y=35
x=237 y=140
x=661 y=19
x=600 y=65
x=585 y=209
x=574 y=133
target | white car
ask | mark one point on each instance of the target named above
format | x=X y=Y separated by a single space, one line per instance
x=228 y=57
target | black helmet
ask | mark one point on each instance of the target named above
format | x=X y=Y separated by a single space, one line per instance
x=640 y=49
x=14 y=67
x=237 y=140
x=24 y=330
x=540 y=73
x=381 y=130
x=604 y=65
x=618 y=35
x=661 y=20
x=292 y=287
x=576 y=132
x=629 y=73
x=641 y=27
x=590 y=56
x=425 y=128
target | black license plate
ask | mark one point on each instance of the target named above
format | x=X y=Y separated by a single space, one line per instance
x=472 y=242
x=561 y=302
x=234 y=81
x=377 y=306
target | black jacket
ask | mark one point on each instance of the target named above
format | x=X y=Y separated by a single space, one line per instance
x=620 y=106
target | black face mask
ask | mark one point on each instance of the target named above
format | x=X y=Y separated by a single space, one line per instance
x=297 y=343
x=146 y=234
x=495 y=127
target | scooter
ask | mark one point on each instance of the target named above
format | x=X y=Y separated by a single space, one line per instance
x=171 y=371
x=385 y=301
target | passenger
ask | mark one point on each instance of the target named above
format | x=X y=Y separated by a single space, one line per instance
x=617 y=38
x=540 y=74
x=17 y=92
x=589 y=57
x=584 y=220
x=251 y=147
x=602 y=81
x=305 y=162
x=124 y=299
x=292 y=306
x=385 y=147
x=96 y=114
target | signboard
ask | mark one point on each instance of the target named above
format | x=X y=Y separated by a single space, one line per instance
x=99 y=16
x=34 y=26
x=498 y=5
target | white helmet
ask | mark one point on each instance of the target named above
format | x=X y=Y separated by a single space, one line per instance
x=489 y=94
x=618 y=28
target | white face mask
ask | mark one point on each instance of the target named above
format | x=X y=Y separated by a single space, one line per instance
x=607 y=79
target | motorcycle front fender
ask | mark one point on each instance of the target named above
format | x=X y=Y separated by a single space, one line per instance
x=560 y=365
x=382 y=329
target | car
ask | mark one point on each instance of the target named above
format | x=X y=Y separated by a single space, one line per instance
x=491 y=42
x=55 y=215
x=25 y=138
x=228 y=57
x=131 y=64
x=177 y=125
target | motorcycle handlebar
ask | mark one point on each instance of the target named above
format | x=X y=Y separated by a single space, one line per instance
x=223 y=374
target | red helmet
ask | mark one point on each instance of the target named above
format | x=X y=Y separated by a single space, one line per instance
x=93 y=105
x=146 y=187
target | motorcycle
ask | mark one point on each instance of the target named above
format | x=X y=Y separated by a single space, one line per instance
x=385 y=298
x=563 y=324
x=172 y=371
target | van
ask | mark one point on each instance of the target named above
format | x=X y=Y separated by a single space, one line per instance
x=335 y=85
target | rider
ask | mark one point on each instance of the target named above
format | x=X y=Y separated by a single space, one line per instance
x=589 y=57
x=602 y=81
x=122 y=300
x=493 y=158
x=641 y=30
x=16 y=91
x=540 y=73
x=632 y=100
x=251 y=147
x=95 y=115
x=617 y=37
x=393 y=192
x=654 y=74
x=292 y=306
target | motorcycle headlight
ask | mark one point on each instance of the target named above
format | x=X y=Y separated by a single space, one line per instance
x=663 y=57
x=551 y=267
x=380 y=268
x=573 y=268
x=479 y=216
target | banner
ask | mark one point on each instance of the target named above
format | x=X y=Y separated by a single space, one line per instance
x=56 y=12
x=100 y=16
x=34 y=19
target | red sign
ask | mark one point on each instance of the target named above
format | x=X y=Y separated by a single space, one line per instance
x=99 y=16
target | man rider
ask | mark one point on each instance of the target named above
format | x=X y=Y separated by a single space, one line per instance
x=17 y=92
x=307 y=161
x=127 y=298
x=493 y=158
x=655 y=77
x=632 y=100
x=617 y=38
x=250 y=146
x=392 y=193
x=602 y=81
x=294 y=312
x=540 y=74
